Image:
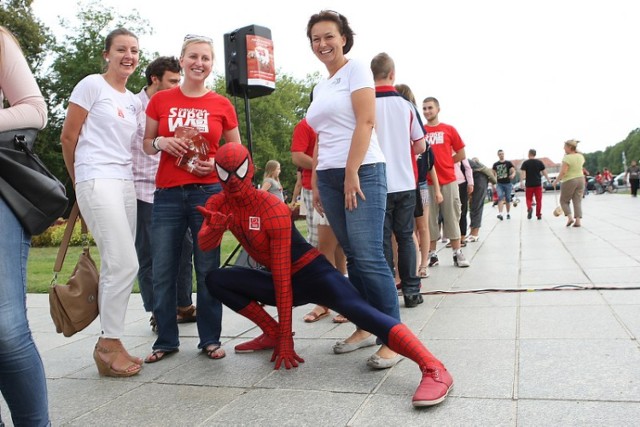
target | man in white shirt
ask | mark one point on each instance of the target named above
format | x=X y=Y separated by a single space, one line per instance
x=162 y=73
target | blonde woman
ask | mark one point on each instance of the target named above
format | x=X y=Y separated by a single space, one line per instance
x=96 y=145
x=271 y=180
x=179 y=192
x=572 y=180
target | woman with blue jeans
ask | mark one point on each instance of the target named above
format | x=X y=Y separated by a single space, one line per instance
x=22 y=380
x=180 y=190
x=349 y=183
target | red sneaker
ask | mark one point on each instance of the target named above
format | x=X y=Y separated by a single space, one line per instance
x=434 y=387
x=261 y=342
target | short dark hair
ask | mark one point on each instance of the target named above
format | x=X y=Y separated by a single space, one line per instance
x=340 y=20
x=381 y=66
x=432 y=99
x=161 y=65
x=532 y=152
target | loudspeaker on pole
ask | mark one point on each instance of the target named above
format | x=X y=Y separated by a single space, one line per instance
x=249 y=62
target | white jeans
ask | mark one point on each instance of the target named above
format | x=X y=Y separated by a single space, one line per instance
x=108 y=206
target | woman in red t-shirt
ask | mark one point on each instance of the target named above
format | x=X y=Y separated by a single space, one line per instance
x=206 y=117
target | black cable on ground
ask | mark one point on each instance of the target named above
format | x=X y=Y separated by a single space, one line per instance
x=515 y=290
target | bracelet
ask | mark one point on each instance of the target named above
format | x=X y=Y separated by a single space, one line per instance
x=154 y=143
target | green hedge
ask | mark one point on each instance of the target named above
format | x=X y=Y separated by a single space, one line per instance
x=52 y=236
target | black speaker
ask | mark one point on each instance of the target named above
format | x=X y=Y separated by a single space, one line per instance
x=249 y=62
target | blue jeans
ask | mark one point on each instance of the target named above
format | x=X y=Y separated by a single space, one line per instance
x=145 y=272
x=399 y=221
x=360 y=233
x=174 y=211
x=22 y=379
x=504 y=192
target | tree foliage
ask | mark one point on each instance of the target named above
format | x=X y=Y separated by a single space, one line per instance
x=612 y=158
x=272 y=120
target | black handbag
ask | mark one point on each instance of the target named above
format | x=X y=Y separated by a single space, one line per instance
x=34 y=194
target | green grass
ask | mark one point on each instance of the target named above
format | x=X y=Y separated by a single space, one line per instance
x=41 y=261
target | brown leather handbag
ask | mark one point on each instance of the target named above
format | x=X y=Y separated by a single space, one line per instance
x=74 y=305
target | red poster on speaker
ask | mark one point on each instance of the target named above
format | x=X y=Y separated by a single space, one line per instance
x=261 y=69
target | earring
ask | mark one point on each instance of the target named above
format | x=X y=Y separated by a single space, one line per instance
x=107 y=60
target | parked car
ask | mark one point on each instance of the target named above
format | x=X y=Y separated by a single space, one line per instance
x=546 y=185
x=517 y=187
x=619 y=179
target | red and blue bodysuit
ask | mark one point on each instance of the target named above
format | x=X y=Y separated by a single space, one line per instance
x=296 y=274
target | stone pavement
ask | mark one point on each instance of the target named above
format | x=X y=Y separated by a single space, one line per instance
x=566 y=357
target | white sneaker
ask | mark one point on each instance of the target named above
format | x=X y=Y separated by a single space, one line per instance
x=460 y=260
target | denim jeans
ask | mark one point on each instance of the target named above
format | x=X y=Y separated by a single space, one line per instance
x=145 y=272
x=22 y=379
x=360 y=233
x=399 y=221
x=174 y=211
x=504 y=192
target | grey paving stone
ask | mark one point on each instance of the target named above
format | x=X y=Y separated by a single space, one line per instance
x=555 y=277
x=607 y=370
x=577 y=413
x=288 y=408
x=480 y=300
x=472 y=323
x=480 y=369
x=382 y=410
x=606 y=275
x=630 y=317
x=570 y=322
x=561 y=297
x=160 y=404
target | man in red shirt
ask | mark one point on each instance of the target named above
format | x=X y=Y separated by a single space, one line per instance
x=448 y=148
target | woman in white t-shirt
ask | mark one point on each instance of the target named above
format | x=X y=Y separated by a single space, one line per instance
x=350 y=184
x=96 y=145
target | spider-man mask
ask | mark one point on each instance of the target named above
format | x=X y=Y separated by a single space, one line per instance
x=235 y=168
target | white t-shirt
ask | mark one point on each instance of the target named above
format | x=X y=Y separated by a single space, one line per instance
x=104 y=144
x=397 y=126
x=332 y=117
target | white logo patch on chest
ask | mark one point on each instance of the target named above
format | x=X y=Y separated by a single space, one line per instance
x=254 y=223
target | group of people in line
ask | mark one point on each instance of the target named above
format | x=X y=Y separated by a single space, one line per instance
x=366 y=197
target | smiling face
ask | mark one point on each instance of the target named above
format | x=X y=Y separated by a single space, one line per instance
x=123 y=55
x=430 y=111
x=327 y=43
x=197 y=60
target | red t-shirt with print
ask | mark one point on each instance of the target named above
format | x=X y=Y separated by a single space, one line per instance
x=211 y=114
x=444 y=141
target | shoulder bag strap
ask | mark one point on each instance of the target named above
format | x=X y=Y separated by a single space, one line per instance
x=66 y=238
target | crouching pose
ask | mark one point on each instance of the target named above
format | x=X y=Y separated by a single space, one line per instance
x=297 y=274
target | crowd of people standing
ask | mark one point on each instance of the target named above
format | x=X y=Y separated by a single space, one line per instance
x=377 y=183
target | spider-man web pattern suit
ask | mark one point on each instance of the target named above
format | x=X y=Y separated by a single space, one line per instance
x=296 y=274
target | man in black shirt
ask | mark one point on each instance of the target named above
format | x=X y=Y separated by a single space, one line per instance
x=504 y=173
x=530 y=176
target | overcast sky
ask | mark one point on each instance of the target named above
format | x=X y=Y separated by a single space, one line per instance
x=513 y=74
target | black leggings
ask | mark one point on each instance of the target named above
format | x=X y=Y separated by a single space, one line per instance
x=318 y=282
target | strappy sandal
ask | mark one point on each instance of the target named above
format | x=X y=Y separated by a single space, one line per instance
x=312 y=316
x=340 y=319
x=216 y=352
x=105 y=367
x=186 y=314
x=423 y=272
x=158 y=355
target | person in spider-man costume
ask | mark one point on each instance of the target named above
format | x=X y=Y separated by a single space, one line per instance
x=296 y=274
